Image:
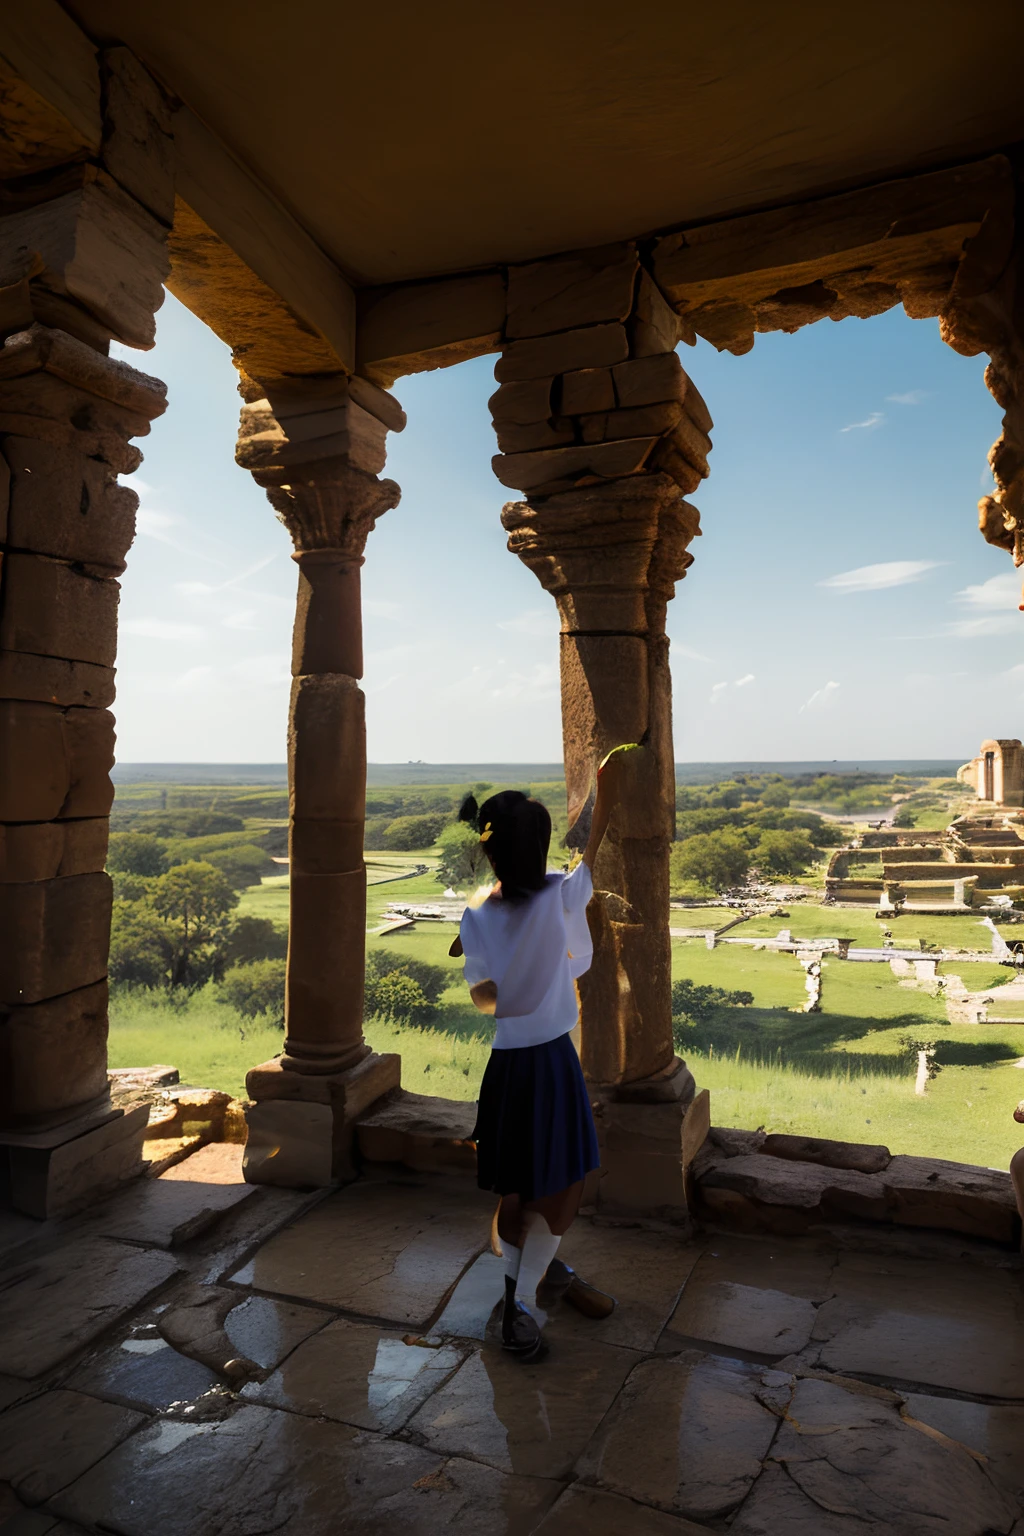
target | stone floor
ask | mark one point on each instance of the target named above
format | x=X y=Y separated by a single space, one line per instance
x=200 y=1358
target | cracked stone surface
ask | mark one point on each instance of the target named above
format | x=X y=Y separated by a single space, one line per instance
x=355 y=1373
x=644 y=1271
x=143 y=1371
x=530 y=1419
x=263 y=1470
x=845 y=1462
x=589 y=1512
x=379 y=1250
x=53 y=1306
x=888 y=1316
x=51 y=1439
x=688 y=1433
x=992 y=1430
x=181 y=1203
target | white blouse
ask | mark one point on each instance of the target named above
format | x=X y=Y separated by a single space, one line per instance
x=533 y=951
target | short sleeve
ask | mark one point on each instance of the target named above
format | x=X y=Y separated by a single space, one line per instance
x=577 y=889
x=476 y=968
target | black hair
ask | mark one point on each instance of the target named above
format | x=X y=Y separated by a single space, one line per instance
x=515 y=833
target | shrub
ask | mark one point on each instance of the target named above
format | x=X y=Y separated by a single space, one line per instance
x=715 y=860
x=130 y=887
x=136 y=853
x=373 y=836
x=400 y=998
x=192 y=823
x=140 y=954
x=904 y=817
x=254 y=989
x=463 y=862
x=432 y=979
x=413 y=831
x=777 y=795
x=692 y=1004
x=254 y=938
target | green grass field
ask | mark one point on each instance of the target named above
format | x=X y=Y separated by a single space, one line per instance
x=842 y=1072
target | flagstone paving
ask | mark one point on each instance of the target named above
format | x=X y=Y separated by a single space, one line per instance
x=316 y=1363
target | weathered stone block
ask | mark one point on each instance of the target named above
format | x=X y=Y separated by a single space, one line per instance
x=648 y=380
x=138 y=148
x=692 y=443
x=50 y=609
x=586 y=390
x=50 y=680
x=99 y=247
x=56 y=936
x=90 y=746
x=327 y=748
x=541 y=434
x=958 y=1197
x=289 y=1144
x=860 y=1156
x=44 y=850
x=636 y=421
x=668 y=459
x=34 y=754
x=654 y=326
x=561 y=468
x=53 y=1056
x=48 y=1182
x=521 y=404
x=596 y=346
x=428 y=1134
x=583 y=289
x=67 y=505
x=604 y=692
x=327 y=635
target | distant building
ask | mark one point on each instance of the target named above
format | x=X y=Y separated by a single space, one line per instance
x=997 y=773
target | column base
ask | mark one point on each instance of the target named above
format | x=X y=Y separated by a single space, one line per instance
x=57 y=1171
x=649 y=1133
x=302 y=1125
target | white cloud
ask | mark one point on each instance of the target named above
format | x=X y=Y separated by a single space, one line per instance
x=874 y=420
x=137 y=484
x=241 y=620
x=716 y=692
x=820 y=698
x=911 y=397
x=686 y=653
x=998 y=592
x=741 y=682
x=151 y=524
x=978 y=629
x=268 y=671
x=161 y=629
x=539 y=622
x=873 y=578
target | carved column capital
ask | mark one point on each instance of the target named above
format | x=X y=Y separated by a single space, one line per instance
x=318 y=470
x=609 y=554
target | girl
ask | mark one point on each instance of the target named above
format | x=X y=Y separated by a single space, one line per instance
x=525 y=945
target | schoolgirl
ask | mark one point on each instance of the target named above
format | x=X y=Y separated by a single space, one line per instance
x=525 y=944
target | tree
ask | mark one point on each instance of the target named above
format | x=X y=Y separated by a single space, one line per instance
x=432 y=979
x=777 y=795
x=254 y=938
x=139 y=950
x=783 y=853
x=413 y=832
x=715 y=860
x=136 y=853
x=463 y=862
x=195 y=901
x=904 y=817
x=698 y=1004
x=255 y=988
x=243 y=865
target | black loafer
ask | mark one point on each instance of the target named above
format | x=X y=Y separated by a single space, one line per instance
x=520 y=1331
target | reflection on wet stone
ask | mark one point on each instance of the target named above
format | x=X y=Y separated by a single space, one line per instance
x=147 y=1373
x=995 y=1431
x=356 y=1374
x=744 y=1317
x=531 y=1419
x=263 y=1470
x=50 y=1440
x=589 y=1512
x=688 y=1433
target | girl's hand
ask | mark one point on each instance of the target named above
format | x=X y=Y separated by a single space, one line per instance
x=1018 y=1113
x=485 y=996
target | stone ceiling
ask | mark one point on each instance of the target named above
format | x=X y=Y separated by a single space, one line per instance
x=412 y=140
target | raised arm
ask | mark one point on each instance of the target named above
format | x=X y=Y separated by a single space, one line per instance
x=609 y=791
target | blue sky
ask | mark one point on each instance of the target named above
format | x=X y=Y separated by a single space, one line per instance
x=842 y=603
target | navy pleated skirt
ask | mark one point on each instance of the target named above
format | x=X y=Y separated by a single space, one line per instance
x=534 y=1127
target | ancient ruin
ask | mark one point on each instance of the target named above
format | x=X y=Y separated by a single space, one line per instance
x=323 y=190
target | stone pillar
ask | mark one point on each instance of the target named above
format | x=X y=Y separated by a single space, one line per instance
x=602 y=428
x=84 y=255
x=316 y=450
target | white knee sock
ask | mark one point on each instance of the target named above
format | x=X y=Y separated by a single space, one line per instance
x=539 y=1247
x=512 y=1256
